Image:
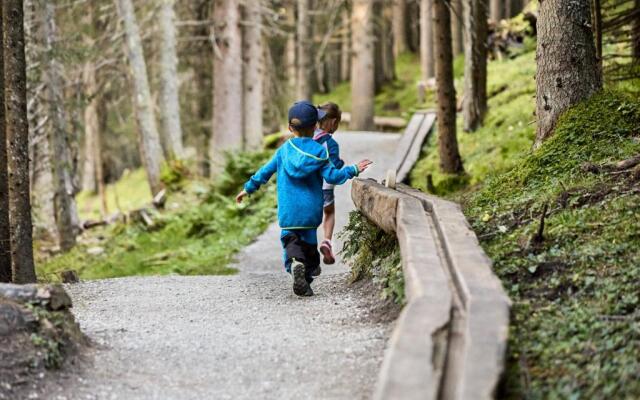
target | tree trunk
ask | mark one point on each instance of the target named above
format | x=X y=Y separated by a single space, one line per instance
x=597 y=31
x=345 y=48
x=474 y=104
x=303 y=29
x=290 y=52
x=450 y=161
x=388 y=59
x=496 y=10
x=567 y=68
x=17 y=135
x=456 y=27
x=150 y=148
x=227 y=83
x=635 y=36
x=426 y=39
x=66 y=215
x=362 y=70
x=5 y=247
x=413 y=25
x=169 y=86
x=399 y=27
x=93 y=132
x=378 y=56
x=89 y=181
x=253 y=74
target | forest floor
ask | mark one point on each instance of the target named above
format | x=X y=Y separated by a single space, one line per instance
x=235 y=337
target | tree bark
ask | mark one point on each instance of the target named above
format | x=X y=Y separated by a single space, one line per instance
x=597 y=31
x=65 y=211
x=496 y=10
x=426 y=39
x=635 y=36
x=388 y=58
x=362 y=69
x=93 y=133
x=450 y=160
x=253 y=74
x=456 y=27
x=567 y=68
x=399 y=27
x=345 y=48
x=303 y=29
x=5 y=247
x=474 y=105
x=169 y=85
x=17 y=136
x=227 y=83
x=150 y=147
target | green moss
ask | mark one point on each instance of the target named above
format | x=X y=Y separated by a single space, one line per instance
x=575 y=298
x=198 y=235
x=373 y=254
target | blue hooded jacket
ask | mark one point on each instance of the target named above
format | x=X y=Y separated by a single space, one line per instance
x=301 y=165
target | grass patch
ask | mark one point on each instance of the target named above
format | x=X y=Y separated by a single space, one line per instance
x=198 y=235
x=575 y=316
x=129 y=193
x=373 y=254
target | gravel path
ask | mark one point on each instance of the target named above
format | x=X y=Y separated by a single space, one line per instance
x=234 y=337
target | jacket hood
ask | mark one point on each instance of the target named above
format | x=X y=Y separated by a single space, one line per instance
x=303 y=156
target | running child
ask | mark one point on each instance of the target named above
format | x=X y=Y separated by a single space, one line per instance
x=324 y=135
x=301 y=166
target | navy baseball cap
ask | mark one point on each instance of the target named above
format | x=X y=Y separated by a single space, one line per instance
x=305 y=114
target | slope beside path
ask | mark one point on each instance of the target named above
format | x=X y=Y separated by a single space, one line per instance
x=234 y=337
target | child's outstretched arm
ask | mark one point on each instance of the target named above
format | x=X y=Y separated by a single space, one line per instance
x=339 y=176
x=334 y=153
x=258 y=179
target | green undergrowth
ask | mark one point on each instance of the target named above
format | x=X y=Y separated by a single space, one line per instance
x=198 y=233
x=373 y=254
x=506 y=135
x=575 y=317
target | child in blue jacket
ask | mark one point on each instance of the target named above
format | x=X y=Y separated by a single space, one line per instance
x=301 y=166
x=324 y=135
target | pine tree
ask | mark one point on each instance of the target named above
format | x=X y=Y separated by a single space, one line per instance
x=17 y=136
x=450 y=160
x=5 y=247
x=253 y=75
x=169 y=90
x=65 y=211
x=475 y=64
x=362 y=69
x=567 y=67
x=150 y=147
x=227 y=84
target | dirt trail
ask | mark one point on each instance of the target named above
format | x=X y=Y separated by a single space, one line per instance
x=234 y=337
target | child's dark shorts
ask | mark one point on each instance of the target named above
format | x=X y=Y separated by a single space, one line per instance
x=307 y=253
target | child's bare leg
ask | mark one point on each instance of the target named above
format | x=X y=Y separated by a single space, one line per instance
x=329 y=221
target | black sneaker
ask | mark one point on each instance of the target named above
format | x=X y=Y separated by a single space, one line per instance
x=300 y=285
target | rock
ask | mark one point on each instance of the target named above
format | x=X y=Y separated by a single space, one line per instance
x=53 y=297
x=95 y=251
x=14 y=317
x=69 y=276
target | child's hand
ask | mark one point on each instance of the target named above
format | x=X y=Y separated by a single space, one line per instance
x=240 y=196
x=363 y=165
